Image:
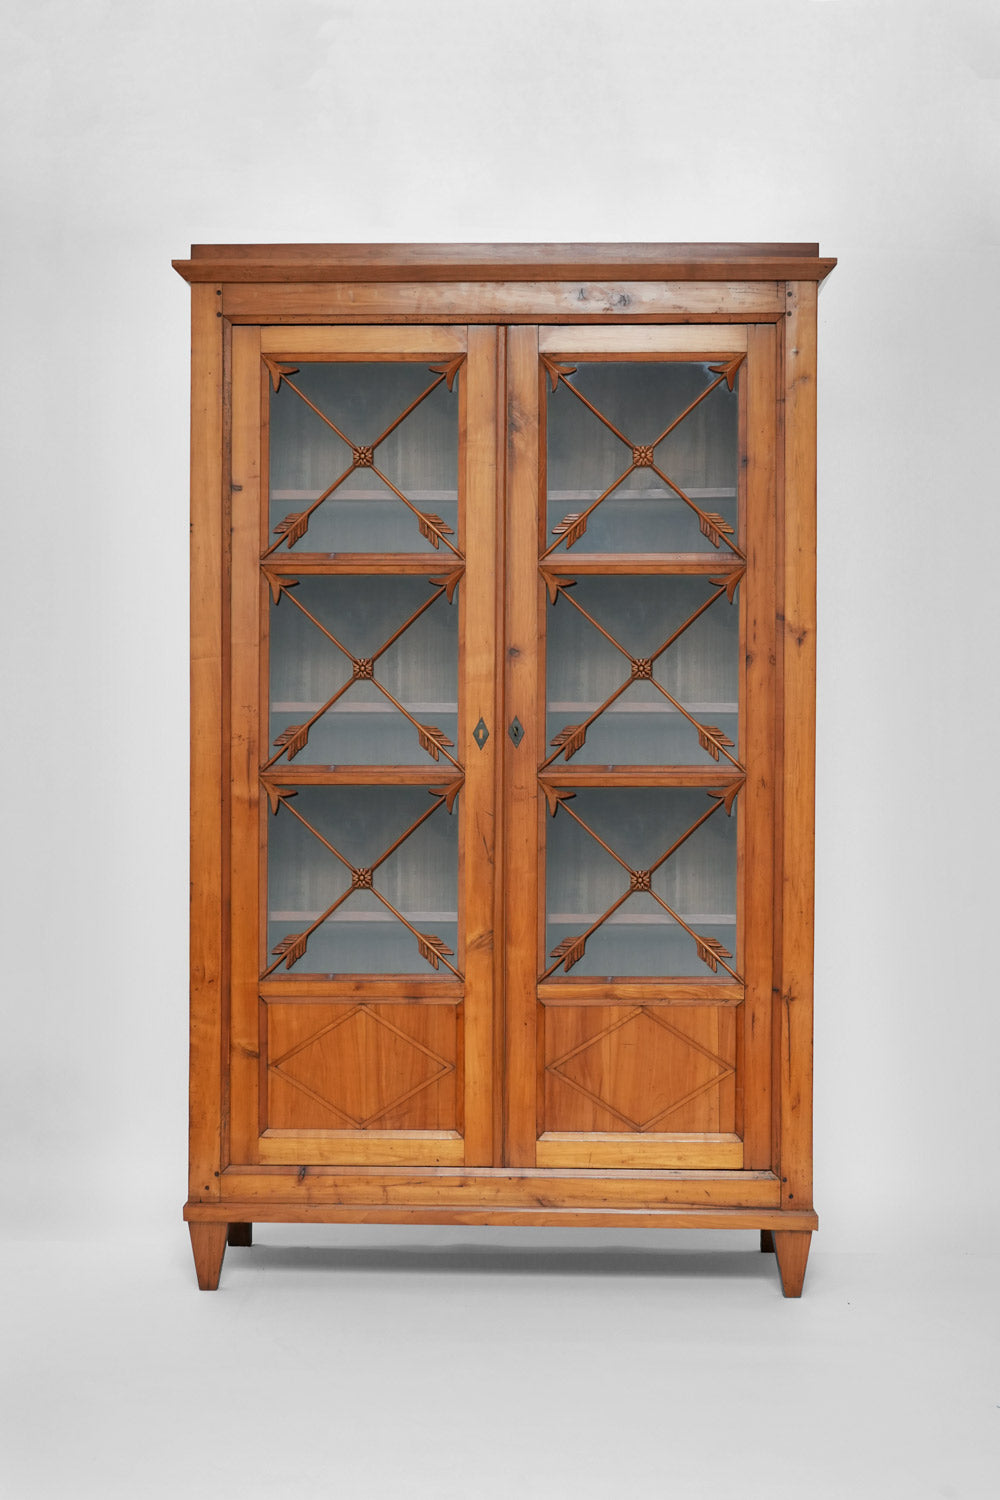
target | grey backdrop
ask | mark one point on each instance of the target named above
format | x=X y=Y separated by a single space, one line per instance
x=134 y=130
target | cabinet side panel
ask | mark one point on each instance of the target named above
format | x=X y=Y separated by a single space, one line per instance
x=207 y=560
x=794 y=1052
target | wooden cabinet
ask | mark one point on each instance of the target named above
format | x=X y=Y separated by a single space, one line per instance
x=502 y=691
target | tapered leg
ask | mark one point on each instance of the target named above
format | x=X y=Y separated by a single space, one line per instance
x=240 y=1234
x=208 y=1241
x=792 y=1249
x=766 y=1242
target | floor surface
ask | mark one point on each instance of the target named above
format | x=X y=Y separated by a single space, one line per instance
x=364 y=1362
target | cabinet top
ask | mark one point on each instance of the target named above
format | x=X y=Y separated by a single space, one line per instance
x=515 y=262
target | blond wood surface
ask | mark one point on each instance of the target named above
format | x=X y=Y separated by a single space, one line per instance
x=245 y=1058
x=521 y=882
x=209 y=958
x=314 y=342
x=291 y=1211
x=792 y=1250
x=479 y=663
x=626 y=1150
x=758 y=622
x=798 y=675
x=364 y=1148
x=505 y=301
x=598 y=340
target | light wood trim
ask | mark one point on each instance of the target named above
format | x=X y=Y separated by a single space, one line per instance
x=208 y=957
x=798 y=665
x=246 y=1061
x=349 y=1148
x=479 y=664
x=660 y=563
x=559 y=1149
x=678 y=338
x=294 y=1212
x=520 y=877
x=330 y=343
x=404 y=990
x=758 y=711
x=446 y=1187
x=570 y=991
x=303 y=301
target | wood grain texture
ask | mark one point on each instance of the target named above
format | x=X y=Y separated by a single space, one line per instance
x=208 y=1244
x=792 y=1250
x=509 y=302
x=521 y=796
x=474 y=1094
x=208 y=563
x=798 y=676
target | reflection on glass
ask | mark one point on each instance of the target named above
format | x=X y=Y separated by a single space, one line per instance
x=643 y=513
x=419 y=670
x=362 y=935
x=640 y=938
x=419 y=457
x=699 y=670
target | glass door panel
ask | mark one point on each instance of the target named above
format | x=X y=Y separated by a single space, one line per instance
x=641 y=457
x=620 y=903
x=362 y=879
x=642 y=670
x=363 y=671
x=363 y=458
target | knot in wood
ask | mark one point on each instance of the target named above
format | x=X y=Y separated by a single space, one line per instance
x=362 y=667
x=639 y=880
x=642 y=667
x=363 y=458
x=361 y=880
x=642 y=457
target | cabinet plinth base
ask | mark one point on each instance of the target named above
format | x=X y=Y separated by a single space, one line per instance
x=212 y=1225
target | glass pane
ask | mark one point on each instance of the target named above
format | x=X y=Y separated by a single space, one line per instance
x=420 y=457
x=642 y=399
x=698 y=882
x=420 y=879
x=420 y=669
x=700 y=669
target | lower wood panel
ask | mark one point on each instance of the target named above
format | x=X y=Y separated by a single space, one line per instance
x=555 y=1150
x=361 y=1148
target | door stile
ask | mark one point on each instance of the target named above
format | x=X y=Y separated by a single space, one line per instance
x=757 y=845
x=521 y=649
x=245 y=1051
x=478 y=670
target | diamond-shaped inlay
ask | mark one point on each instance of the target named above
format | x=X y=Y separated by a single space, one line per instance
x=361 y=1067
x=641 y=1069
x=516 y=732
x=481 y=734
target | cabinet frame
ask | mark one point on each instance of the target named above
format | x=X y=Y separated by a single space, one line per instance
x=772 y=291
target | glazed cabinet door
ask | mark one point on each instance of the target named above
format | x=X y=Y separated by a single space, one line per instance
x=640 y=765
x=362 y=713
